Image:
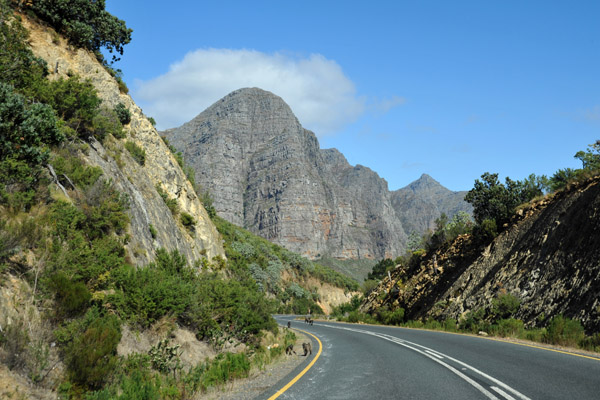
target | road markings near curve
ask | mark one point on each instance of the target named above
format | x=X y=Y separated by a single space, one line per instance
x=503 y=393
x=438 y=357
x=434 y=354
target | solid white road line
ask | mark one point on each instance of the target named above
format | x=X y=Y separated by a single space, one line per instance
x=503 y=393
x=437 y=356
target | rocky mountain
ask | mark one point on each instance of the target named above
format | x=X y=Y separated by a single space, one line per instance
x=547 y=258
x=420 y=203
x=268 y=174
x=138 y=183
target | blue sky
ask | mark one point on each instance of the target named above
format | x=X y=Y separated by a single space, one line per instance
x=448 y=88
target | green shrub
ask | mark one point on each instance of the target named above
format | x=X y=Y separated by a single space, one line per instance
x=486 y=231
x=395 y=317
x=432 y=324
x=76 y=101
x=564 y=331
x=473 y=321
x=107 y=122
x=152 y=230
x=27 y=130
x=171 y=203
x=165 y=358
x=187 y=220
x=72 y=297
x=20 y=67
x=91 y=357
x=591 y=343
x=450 y=325
x=505 y=305
x=221 y=369
x=76 y=171
x=510 y=327
x=138 y=154
x=123 y=113
x=19 y=184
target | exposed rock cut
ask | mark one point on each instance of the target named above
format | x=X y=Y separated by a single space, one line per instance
x=547 y=258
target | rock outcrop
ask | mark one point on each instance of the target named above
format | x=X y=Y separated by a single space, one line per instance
x=547 y=258
x=137 y=182
x=268 y=174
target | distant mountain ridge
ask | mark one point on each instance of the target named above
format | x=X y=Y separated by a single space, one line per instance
x=267 y=173
x=424 y=200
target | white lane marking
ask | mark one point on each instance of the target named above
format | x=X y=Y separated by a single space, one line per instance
x=406 y=343
x=503 y=393
x=434 y=354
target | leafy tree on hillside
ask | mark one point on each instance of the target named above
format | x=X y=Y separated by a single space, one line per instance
x=590 y=158
x=495 y=201
x=86 y=23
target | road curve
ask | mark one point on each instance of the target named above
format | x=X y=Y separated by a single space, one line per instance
x=378 y=362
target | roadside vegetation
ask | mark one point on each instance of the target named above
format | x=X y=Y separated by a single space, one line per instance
x=494 y=206
x=284 y=276
x=497 y=320
x=63 y=232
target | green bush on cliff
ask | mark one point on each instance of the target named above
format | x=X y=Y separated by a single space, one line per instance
x=20 y=68
x=138 y=154
x=85 y=23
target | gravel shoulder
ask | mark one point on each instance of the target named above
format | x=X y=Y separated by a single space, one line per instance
x=259 y=381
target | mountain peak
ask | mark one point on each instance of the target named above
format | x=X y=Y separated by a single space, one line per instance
x=426 y=184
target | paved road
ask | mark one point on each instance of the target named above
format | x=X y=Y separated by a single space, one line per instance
x=376 y=362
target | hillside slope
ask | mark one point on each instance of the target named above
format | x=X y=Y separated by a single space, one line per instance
x=547 y=258
x=138 y=182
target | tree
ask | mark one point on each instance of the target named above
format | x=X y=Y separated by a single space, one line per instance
x=489 y=199
x=590 y=158
x=85 y=23
x=380 y=269
x=495 y=201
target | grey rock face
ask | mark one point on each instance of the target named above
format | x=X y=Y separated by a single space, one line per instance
x=419 y=204
x=267 y=173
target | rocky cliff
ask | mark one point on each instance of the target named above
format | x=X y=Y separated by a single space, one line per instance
x=268 y=174
x=137 y=182
x=547 y=258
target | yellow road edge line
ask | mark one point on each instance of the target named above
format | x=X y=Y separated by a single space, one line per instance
x=304 y=371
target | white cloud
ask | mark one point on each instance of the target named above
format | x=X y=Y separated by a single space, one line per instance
x=320 y=95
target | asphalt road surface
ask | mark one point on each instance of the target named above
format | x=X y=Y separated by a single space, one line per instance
x=377 y=362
